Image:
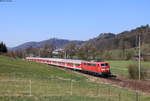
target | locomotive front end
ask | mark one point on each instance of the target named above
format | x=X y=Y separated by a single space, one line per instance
x=105 y=69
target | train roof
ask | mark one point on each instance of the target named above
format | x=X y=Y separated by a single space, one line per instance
x=64 y=60
x=58 y=59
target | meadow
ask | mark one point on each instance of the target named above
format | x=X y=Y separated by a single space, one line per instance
x=21 y=80
x=120 y=67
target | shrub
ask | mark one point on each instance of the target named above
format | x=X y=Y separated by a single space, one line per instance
x=129 y=54
x=146 y=58
x=133 y=70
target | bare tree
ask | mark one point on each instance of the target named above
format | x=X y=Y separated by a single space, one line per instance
x=70 y=49
x=47 y=50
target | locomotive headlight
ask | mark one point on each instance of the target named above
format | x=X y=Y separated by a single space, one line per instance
x=106 y=69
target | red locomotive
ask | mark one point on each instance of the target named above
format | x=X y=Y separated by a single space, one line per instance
x=99 y=68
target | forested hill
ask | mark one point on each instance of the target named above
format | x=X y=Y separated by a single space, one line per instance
x=126 y=39
x=117 y=46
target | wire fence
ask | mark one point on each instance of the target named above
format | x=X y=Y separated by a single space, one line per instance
x=60 y=87
x=15 y=87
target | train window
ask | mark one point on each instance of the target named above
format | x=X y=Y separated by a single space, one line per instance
x=93 y=65
x=104 y=65
x=90 y=64
x=77 y=64
x=85 y=64
x=69 y=63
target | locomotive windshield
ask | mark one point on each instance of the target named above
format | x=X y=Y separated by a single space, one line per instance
x=104 y=64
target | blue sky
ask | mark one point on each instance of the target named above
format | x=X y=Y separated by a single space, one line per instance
x=35 y=20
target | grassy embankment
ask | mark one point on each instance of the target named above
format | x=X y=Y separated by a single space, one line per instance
x=53 y=84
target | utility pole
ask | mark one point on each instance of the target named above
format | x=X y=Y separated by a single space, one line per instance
x=65 y=54
x=39 y=52
x=139 y=58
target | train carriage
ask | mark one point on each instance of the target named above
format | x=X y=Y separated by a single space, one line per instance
x=100 y=68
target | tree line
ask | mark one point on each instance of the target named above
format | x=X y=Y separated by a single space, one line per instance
x=106 y=46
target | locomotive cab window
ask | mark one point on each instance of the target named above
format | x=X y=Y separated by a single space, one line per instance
x=104 y=64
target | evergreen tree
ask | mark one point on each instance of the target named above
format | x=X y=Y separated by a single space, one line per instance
x=3 y=48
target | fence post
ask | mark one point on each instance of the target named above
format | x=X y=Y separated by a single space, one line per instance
x=119 y=95
x=109 y=93
x=136 y=97
x=71 y=87
x=97 y=90
x=30 y=88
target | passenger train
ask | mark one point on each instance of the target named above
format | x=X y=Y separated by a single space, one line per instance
x=98 y=68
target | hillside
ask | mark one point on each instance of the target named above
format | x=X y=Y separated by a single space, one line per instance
x=58 y=43
x=126 y=39
x=117 y=46
x=29 y=81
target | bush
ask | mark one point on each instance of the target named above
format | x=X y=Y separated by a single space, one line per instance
x=133 y=70
x=129 y=54
x=146 y=58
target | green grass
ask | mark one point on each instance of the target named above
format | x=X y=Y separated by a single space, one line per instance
x=120 y=67
x=53 y=84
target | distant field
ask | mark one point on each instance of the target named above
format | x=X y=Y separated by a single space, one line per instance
x=120 y=67
x=29 y=81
